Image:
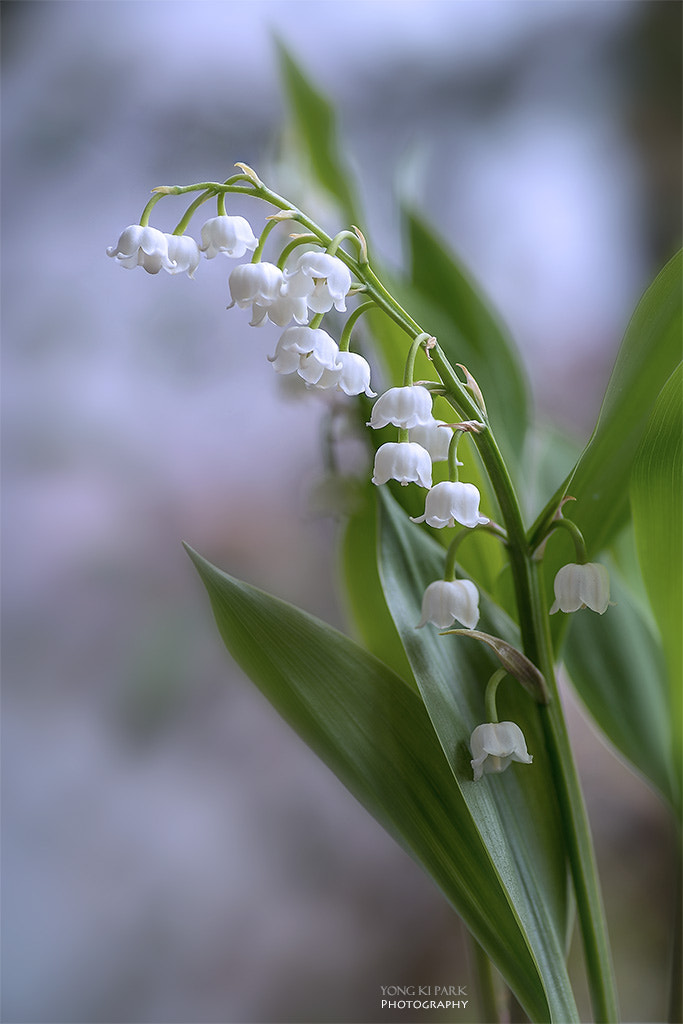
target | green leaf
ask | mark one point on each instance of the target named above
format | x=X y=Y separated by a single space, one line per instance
x=315 y=127
x=657 y=504
x=515 y=813
x=616 y=666
x=449 y=306
x=374 y=733
x=650 y=351
x=367 y=606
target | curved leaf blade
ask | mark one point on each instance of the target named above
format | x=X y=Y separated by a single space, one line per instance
x=657 y=504
x=372 y=730
x=450 y=306
x=649 y=353
x=615 y=664
x=515 y=813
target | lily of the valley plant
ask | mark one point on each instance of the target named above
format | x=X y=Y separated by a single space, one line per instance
x=448 y=578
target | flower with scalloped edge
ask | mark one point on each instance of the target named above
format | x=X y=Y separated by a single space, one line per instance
x=435 y=437
x=260 y=286
x=353 y=378
x=322 y=280
x=144 y=247
x=184 y=253
x=308 y=351
x=444 y=601
x=229 y=235
x=581 y=586
x=495 y=745
x=449 y=502
x=405 y=407
x=404 y=461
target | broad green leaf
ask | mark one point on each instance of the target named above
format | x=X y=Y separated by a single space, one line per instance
x=372 y=730
x=615 y=663
x=657 y=504
x=449 y=306
x=650 y=351
x=515 y=813
x=315 y=125
x=365 y=597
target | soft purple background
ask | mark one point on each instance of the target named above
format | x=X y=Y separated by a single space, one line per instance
x=171 y=852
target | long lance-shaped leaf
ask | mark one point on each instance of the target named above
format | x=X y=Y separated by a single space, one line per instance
x=315 y=124
x=449 y=305
x=515 y=813
x=650 y=351
x=616 y=666
x=373 y=731
x=657 y=503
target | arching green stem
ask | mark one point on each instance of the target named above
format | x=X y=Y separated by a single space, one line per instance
x=575 y=534
x=345 y=339
x=182 y=225
x=490 y=695
x=144 y=218
x=409 y=371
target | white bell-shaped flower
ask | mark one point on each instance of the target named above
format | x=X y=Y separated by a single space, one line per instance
x=404 y=461
x=435 y=436
x=285 y=308
x=322 y=280
x=306 y=350
x=494 y=745
x=229 y=235
x=405 y=407
x=352 y=378
x=144 y=247
x=257 y=285
x=581 y=586
x=444 y=601
x=183 y=251
x=451 y=502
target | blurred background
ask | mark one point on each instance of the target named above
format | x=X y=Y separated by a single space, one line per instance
x=170 y=851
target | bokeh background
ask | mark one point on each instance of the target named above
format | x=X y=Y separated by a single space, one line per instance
x=170 y=851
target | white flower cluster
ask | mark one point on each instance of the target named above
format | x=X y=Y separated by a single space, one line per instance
x=410 y=408
x=314 y=284
x=317 y=282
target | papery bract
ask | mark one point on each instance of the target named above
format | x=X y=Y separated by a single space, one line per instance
x=322 y=280
x=405 y=407
x=404 y=461
x=581 y=586
x=229 y=235
x=449 y=502
x=353 y=378
x=184 y=253
x=494 y=745
x=144 y=247
x=444 y=601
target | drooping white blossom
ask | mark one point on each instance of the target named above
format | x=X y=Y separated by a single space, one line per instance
x=494 y=745
x=449 y=502
x=229 y=235
x=405 y=407
x=581 y=586
x=404 y=461
x=307 y=351
x=435 y=437
x=259 y=285
x=183 y=251
x=444 y=601
x=353 y=378
x=322 y=280
x=144 y=247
